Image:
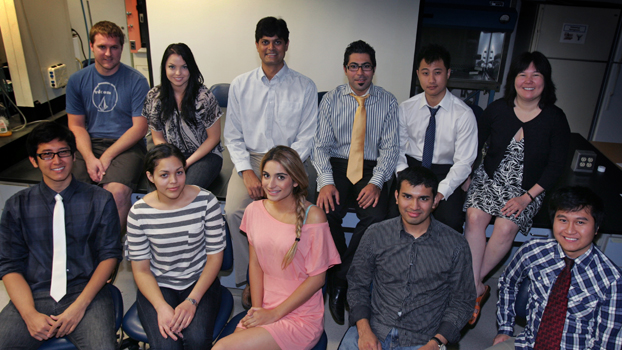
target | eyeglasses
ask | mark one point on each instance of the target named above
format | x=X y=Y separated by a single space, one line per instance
x=353 y=67
x=50 y=155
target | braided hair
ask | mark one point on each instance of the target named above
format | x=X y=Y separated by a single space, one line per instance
x=291 y=162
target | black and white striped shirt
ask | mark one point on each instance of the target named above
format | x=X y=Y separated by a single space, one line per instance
x=176 y=241
x=334 y=132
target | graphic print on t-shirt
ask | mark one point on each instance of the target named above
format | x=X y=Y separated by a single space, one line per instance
x=105 y=97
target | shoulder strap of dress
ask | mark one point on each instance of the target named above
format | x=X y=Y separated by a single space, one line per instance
x=307 y=213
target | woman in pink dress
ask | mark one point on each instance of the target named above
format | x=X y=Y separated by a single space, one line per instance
x=290 y=250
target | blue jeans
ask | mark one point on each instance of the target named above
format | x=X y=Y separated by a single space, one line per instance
x=95 y=330
x=198 y=335
x=204 y=171
x=350 y=341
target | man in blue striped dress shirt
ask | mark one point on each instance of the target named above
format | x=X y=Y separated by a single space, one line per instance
x=337 y=193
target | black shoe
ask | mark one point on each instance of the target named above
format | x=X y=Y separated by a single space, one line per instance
x=336 y=303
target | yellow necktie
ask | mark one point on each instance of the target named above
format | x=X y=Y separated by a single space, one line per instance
x=357 y=143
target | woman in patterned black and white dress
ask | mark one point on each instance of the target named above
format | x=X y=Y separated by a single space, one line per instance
x=183 y=112
x=527 y=139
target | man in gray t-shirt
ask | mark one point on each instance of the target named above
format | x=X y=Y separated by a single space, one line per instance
x=104 y=108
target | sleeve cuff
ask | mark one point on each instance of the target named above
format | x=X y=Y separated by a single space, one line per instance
x=507 y=330
x=377 y=180
x=359 y=313
x=400 y=167
x=243 y=165
x=449 y=331
x=445 y=190
x=324 y=179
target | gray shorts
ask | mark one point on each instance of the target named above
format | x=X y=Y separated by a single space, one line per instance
x=125 y=169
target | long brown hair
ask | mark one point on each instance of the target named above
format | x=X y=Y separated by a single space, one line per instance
x=290 y=160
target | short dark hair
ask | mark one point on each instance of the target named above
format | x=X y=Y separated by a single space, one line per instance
x=108 y=29
x=416 y=176
x=162 y=151
x=522 y=62
x=433 y=53
x=572 y=199
x=359 y=47
x=48 y=131
x=271 y=26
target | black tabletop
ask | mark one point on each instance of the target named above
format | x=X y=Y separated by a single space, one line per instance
x=607 y=185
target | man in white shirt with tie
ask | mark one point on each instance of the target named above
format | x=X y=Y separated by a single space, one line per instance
x=450 y=147
x=268 y=106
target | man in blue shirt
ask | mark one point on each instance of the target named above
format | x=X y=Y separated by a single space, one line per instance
x=353 y=161
x=593 y=318
x=104 y=110
x=83 y=311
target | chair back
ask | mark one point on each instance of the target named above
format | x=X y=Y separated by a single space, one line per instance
x=227 y=259
x=221 y=92
x=320 y=95
x=520 y=305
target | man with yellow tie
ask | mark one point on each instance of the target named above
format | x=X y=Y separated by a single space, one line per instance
x=355 y=152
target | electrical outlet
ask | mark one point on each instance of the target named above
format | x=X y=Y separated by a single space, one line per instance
x=584 y=161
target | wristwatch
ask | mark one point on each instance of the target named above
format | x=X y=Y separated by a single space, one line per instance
x=441 y=346
x=192 y=301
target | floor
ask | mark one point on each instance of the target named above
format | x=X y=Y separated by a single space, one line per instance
x=478 y=337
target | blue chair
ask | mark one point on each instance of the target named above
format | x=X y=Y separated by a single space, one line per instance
x=134 y=329
x=64 y=343
x=221 y=92
x=520 y=304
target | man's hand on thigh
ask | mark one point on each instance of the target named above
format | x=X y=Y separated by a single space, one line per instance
x=325 y=198
x=369 y=195
x=40 y=326
x=66 y=322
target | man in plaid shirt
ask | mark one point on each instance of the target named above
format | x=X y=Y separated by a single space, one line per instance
x=594 y=316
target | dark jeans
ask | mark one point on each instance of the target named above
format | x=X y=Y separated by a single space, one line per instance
x=204 y=171
x=347 y=195
x=95 y=330
x=198 y=335
x=449 y=210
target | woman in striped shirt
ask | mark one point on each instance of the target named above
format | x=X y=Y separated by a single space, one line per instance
x=175 y=240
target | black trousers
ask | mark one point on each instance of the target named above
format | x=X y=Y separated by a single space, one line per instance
x=449 y=210
x=348 y=193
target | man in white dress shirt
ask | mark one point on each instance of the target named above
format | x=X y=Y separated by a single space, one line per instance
x=454 y=146
x=268 y=106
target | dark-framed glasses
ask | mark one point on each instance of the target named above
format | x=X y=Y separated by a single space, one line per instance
x=50 y=155
x=353 y=67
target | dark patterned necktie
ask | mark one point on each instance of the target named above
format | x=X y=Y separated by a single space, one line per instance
x=549 y=334
x=428 y=144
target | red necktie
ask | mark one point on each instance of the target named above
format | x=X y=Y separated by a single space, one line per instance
x=549 y=334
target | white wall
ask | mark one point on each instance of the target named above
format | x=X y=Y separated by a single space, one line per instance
x=221 y=34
